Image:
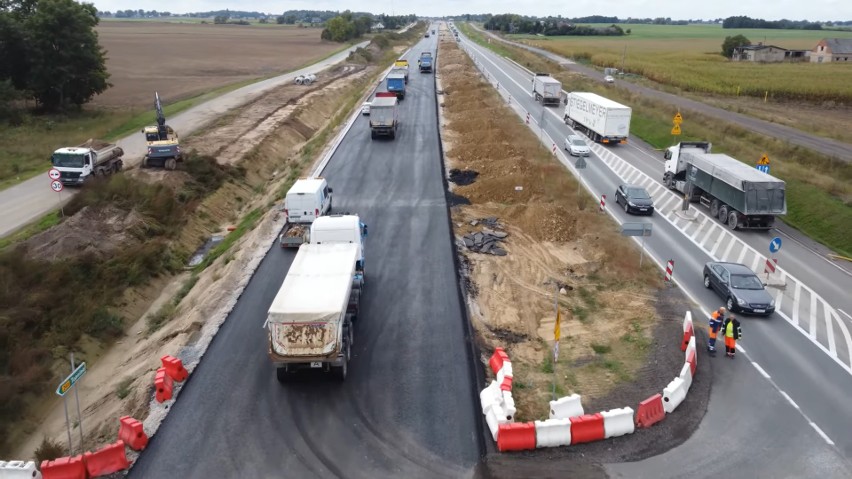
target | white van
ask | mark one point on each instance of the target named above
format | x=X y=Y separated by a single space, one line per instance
x=307 y=200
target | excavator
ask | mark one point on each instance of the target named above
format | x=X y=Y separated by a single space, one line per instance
x=163 y=144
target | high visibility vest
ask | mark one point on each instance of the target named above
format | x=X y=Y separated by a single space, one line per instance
x=729 y=331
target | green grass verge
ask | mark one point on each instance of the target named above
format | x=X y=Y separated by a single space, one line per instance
x=246 y=224
x=42 y=224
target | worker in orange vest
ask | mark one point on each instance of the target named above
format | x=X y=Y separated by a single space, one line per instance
x=733 y=332
x=716 y=320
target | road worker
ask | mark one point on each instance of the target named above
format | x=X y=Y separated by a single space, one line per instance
x=733 y=332
x=716 y=320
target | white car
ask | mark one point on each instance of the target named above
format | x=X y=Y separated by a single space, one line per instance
x=576 y=146
x=365 y=108
x=609 y=79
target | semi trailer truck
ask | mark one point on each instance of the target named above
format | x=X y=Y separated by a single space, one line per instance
x=601 y=119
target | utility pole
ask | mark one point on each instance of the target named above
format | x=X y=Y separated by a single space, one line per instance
x=623 y=55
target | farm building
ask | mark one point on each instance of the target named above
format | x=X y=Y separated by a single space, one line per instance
x=766 y=53
x=832 y=50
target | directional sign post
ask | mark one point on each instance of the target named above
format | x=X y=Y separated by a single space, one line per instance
x=763 y=164
x=56 y=186
x=775 y=244
x=637 y=229
x=69 y=382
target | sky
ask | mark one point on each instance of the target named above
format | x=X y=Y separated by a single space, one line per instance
x=812 y=10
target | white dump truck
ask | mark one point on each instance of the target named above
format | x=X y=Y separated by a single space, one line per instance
x=92 y=158
x=306 y=200
x=310 y=321
x=546 y=89
x=599 y=118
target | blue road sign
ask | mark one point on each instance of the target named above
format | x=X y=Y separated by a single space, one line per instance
x=763 y=168
x=775 y=244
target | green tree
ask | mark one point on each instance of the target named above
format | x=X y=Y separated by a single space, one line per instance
x=733 y=42
x=14 y=51
x=339 y=30
x=67 y=65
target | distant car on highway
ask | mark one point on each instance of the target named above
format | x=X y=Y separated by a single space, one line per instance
x=741 y=289
x=576 y=146
x=609 y=79
x=635 y=199
x=365 y=108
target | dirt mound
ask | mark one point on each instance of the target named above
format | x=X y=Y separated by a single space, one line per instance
x=93 y=230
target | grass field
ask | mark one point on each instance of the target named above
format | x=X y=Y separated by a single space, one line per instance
x=200 y=63
x=819 y=189
x=688 y=57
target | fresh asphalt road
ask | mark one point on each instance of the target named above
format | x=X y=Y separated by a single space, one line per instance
x=408 y=408
x=32 y=199
x=826 y=146
x=819 y=387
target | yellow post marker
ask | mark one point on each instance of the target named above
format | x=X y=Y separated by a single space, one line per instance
x=677 y=120
x=676 y=130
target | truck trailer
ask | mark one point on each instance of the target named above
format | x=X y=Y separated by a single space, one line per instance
x=738 y=195
x=92 y=158
x=546 y=89
x=599 y=118
x=310 y=321
x=396 y=84
x=384 y=117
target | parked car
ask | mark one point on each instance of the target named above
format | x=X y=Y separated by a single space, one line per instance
x=635 y=199
x=741 y=289
x=609 y=79
x=576 y=146
x=365 y=108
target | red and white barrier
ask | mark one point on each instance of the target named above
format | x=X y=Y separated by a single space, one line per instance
x=673 y=395
x=603 y=202
x=650 y=411
x=528 y=119
x=690 y=346
x=504 y=376
x=553 y=149
x=19 y=470
x=669 y=270
x=566 y=407
x=587 y=428
x=516 y=437
x=553 y=433
x=491 y=399
x=771 y=265
x=686 y=376
x=496 y=400
x=618 y=422
x=688 y=331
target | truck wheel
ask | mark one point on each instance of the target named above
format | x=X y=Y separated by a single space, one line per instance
x=714 y=208
x=118 y=166
x=341 y=372
x=723 y=213
x=171 y=164
x=668 y=181
x=283 y=374
x=732 y=220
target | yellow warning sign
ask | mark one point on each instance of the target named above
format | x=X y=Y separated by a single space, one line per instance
x=676 y=129
x=677 y=120
x=764 y=160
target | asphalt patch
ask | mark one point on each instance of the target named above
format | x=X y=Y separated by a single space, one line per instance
x=463 y=177
x=456 y=200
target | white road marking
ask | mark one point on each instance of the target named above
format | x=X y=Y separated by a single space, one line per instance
x=796 y=297
x=789 y=399
x=728 y=250
x=813 y=316
x=742 y=255
x=756 y=263
x=844 y=312
x=829 y=329
x=778 y=297
x=760 y=370
x=700 y=227
x=718 y=243
x=824 y=435
x=739 y=347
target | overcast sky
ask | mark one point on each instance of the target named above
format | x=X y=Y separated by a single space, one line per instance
x=678 y=10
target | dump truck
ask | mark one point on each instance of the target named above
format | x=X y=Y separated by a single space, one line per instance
x=307 y=200
x=601 y=119
x=395 y=83
x=738 y=195
x=162 y=142
x=310 y=321
x=403 y=64
x=400 y=71
x=384 y=117
x=546 y=89
x=93 y=158
x=425 y=62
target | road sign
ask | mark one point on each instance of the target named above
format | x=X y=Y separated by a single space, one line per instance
x=763 y=168
x=636 y=229
x=676 y=129
x=677 y=120
x=775 y=244
x=56 y=186
x=581 y=163
x=54 y=174
x=764 y=160
x=75 y=376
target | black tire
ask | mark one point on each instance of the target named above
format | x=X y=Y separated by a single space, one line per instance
x=283 y=374
x=626 y=208
x=723 y=213
x=731 y=305
x=714 y=208
x=668 y=181
x=341 y=372
x=732 y=220
x=170 y=164
x=707 y=281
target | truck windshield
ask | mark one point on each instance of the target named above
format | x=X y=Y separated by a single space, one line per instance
x=67 y=160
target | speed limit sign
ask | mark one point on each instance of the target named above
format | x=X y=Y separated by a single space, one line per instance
x=56 y=186
x=54 y=174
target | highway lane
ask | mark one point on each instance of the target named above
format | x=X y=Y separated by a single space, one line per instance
x=408 y=407
x=33 y=198
x=816 y=383
x=826 y=146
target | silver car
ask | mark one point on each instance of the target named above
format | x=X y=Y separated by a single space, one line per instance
x=576 y=146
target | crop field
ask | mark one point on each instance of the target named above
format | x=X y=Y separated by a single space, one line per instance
x=688 y=57
x=181 y=60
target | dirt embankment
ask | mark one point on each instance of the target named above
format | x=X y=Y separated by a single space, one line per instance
x=266 y=140
x=620 y=327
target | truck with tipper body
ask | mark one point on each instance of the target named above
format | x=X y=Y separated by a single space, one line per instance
x=92 y=158
x=425 y=62
x=400 y=71
x=307 y=200
x=403 y=64
x=310 y=321
x=546 y=89
x=396 y=84
x=384 y=117
x=601 y=119
x=738 y=195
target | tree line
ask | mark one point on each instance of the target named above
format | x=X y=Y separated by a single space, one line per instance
x=49 y=52
x=748 y=22
x=512 y=23
x=348 y=26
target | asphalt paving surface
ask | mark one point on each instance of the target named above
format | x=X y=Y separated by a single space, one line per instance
x=827 y=146
x=751 y=426
x=409 y=406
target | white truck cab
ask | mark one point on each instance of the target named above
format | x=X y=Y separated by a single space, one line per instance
x=341 y=228
x=307 y=200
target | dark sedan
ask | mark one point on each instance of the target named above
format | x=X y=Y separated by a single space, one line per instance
x=635 y=199
x=741 y=289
